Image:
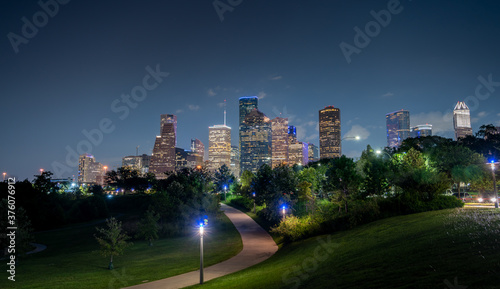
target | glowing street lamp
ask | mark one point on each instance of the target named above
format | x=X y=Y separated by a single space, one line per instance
x=41 y=171
x=253 y=195
x=104 y=176
x=201 y=253
x=225 y=189
x=4 y=174
x=495 y=190
x=284 y=212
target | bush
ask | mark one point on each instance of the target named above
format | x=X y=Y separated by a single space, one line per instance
x=241 y=202
x=294 y=228
x=363 y=211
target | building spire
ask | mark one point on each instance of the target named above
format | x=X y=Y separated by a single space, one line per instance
x=224 y=112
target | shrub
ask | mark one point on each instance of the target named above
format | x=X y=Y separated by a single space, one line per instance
x=294 y=228
x=241 y=202
x=363 y=211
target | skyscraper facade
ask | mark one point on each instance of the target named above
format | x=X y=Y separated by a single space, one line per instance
x=299 y=154
x=292 y=134
x=398 y=127
x=235 y=161
x=89 y=171
x=461 y=120
x=247 y=104
x=329 y=133
x=279 y=128
x=139 y=163
x=163 y=158
x=219 y=146
x=255 y=141
x=198 y=150
x=421 y=130
x=313 y=152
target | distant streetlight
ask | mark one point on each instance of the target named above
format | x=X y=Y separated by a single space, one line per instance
x=225 y=189
x=253 y=194
x=104 y=176
x=41 y=171
x=4 y=174
x=379 y=152
x=284 y=212
x=351 y=137
x=495 y=190
x=201 y=253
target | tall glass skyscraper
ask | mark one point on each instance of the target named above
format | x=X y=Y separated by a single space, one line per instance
x=279 y=127
x=219 y=146
x=163 y=158
x=247 y=104
x=255 y=141
x=461 y=120
x=421 y=130
x=398 y=127
x=329 y=133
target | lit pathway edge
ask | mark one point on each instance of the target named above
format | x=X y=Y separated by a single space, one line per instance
x=257 y=247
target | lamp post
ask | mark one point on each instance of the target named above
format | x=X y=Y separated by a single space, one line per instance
x=284 y=212
x=41 y=171
x=4 y=174
x=495 y=190
x=201 y=253
x=225 y=189
x=104 y=176
x=253 y=194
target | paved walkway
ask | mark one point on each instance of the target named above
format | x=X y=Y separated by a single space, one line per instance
x=257 y=247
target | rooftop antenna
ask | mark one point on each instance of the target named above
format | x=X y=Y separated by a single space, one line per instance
x=224 y=112
x=136 y=150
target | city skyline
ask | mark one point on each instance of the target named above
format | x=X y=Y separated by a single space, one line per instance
x=101 y=77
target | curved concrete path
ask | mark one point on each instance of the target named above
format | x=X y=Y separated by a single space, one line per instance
x=257 y=247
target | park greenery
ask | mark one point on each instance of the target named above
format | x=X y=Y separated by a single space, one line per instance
x=322 y=197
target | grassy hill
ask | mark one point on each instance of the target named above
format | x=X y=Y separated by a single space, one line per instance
x=439 y=249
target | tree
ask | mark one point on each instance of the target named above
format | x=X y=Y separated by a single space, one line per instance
x=112 y=240
x=374 y=169
x=149 y=227
x=43 y=184
x=343 y=178
x=223 y=178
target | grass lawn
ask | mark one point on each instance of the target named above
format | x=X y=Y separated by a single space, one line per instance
x=68 y=261
x=426 y=250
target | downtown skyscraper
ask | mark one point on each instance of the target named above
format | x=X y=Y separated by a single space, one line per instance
x=461 y=120
x=219 y=146
x=255 y=141
x=280 y=145
x=329 y=133
x=163 y=158
x=398 y=127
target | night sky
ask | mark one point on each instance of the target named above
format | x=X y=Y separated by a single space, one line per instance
x=70 y=75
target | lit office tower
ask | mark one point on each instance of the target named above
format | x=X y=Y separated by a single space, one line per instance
x=255 y=141
x=461 y=120
x=329 y=133
x=279 y=128
x=299 y=153
x=163 y=158
x=313 y=152
x=198 y=151
x=235 y=161
x=292 y=134
x=246 y=104
x=219 y=146
x=138 y=163
x=398 y=127
x=421 y=130
x=89 y=171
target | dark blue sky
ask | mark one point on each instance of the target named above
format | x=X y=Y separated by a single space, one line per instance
x=68 y=74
